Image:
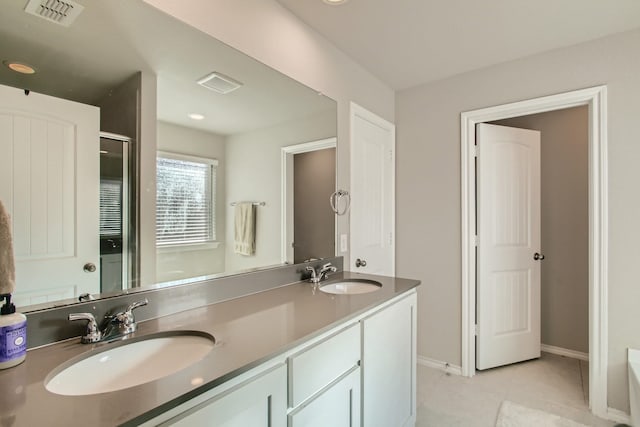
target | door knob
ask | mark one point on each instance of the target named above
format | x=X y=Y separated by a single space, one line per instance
x=538 y=257
x=89 y=267
x=361 y=263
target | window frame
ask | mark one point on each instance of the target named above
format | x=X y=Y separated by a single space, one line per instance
x=173 y=246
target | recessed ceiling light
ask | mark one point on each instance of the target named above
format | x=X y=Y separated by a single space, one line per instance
x=335 y=2
x=104 y=152
x=196 y=116
x=20 y=67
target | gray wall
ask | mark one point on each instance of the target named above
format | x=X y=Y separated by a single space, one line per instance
x=178 y=263
x=565 y=224
x=428 y=185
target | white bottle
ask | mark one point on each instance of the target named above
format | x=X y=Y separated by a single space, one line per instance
x=13 y=334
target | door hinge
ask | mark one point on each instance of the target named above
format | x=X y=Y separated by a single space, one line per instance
x=476 y=240
x=391 y=238
x=476 y=150
x=391 y=156
x=475 y=330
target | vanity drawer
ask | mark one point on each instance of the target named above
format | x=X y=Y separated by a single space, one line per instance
x=314 y=368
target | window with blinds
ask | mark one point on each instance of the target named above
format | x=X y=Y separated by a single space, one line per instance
x=110 y=208
x=185 y=205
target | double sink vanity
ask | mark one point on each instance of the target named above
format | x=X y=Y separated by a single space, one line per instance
x=338 y=352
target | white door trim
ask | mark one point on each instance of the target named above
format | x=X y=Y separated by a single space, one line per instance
x=596 y=99
x=286 y=191
x=357 y=111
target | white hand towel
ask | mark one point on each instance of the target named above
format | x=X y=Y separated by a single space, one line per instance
x=245 y=229
x=7 y=266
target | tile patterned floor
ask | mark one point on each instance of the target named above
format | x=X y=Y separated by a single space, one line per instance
x=552 y=383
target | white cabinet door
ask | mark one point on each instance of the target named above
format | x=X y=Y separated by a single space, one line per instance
x=260 y=401
x=315 y=367
x=389 y=366
x=337 y=406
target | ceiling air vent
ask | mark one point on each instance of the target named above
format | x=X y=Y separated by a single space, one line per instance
x=58 y=11
x=219 y=83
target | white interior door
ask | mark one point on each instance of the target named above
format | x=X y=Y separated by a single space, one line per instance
x=372 y=220
x=49 y=183
x=508 y=204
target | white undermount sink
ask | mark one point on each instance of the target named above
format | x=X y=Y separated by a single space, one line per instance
x=129 y=363
x=351 y=286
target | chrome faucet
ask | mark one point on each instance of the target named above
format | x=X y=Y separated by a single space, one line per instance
x=120 y=324
x=93 y=333
x=123 y=323
x=319 y=275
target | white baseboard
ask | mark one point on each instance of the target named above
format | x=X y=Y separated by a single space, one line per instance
x=618 y=416
x=438 y=364
x=564 y=352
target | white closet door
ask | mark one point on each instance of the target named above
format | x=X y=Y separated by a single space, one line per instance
x=508 y=300
x=49 y=183
x=372 y=193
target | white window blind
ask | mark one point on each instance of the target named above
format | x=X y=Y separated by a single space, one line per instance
x=185 y=206
x=110 y=208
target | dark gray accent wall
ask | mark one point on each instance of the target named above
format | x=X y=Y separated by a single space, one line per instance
x=314 y=222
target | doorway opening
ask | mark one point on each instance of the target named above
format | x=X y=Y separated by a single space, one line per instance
x=115 y=204
x=595 y=100
x=307 y=184
x=564 y=227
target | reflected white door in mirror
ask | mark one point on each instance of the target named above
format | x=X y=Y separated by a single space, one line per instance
x=50 y=152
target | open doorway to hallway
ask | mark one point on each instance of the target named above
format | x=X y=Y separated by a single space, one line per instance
x=564 y=224
x=595 y=100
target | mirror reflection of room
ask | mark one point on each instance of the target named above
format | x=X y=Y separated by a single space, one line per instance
x=167 y=116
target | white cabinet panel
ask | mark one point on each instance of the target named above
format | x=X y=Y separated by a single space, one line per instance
x=257 y=402
x=337 y=406
x=313 y=368
x=389 y=365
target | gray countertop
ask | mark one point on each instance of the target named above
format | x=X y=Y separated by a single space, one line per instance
x=249 y=330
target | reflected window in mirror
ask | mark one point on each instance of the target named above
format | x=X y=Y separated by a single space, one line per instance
x=185 y=206
x=110 y=209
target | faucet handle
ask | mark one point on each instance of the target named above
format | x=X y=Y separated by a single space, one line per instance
x=315 y=278
x=135 y=305
x=93 y=333
x=125 y=320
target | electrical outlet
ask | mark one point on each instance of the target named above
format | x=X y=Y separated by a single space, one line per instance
x=343 y=243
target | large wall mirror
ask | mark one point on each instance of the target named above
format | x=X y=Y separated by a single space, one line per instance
x=142 y=152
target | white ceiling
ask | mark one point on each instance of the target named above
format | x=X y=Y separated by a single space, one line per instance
x=409 y=42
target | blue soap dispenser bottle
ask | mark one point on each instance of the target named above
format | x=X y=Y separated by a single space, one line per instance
x=13 y=334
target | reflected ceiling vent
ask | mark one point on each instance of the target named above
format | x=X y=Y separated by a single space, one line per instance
x=220 y=83
x=58 y=11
